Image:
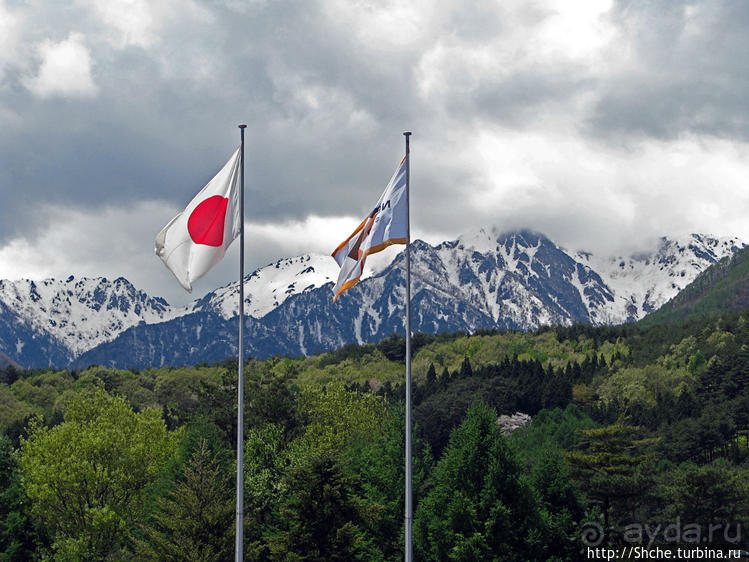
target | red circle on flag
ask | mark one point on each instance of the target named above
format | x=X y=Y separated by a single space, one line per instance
x=206 y=223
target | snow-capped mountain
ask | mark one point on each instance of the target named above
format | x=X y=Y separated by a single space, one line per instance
x=268 y=287
x=644 y=283
x=486 y=279
x=77 y=313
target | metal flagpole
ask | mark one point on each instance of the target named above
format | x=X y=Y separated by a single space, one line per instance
x=238 y=556
x=409 y=503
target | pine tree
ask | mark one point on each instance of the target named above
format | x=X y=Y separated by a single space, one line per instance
x=615 y=464
x=480 y=508
x=195 y=522
x=321 y=520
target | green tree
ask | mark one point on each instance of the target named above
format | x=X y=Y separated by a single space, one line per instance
x=377 y=467
x=321 y=519
x=614 y=465
x=480 y=506
x=19 y=537
x=195 y=522
x=86 y=477
x=465 y=369
x=550 y=430
x=336 y=417
x=561 y=503
x=266 y=460
x=713 y=494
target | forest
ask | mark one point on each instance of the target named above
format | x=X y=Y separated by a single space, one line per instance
x=638 y=438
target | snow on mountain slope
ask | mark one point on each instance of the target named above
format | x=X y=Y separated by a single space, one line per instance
x=485 y=279
x=613 y=289
x=643 y=283
x=520 y=277
x=269 y=286
x=82 y=312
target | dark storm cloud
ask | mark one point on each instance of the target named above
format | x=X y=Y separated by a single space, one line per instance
x=520 y=100
x=508 y=102
x=688 y=71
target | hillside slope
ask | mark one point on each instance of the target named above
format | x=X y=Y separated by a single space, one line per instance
x=723 y=287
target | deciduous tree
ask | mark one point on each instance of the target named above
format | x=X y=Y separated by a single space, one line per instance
x=86 y=476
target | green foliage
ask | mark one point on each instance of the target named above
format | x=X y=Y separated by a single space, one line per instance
x=321 y=518
x=562 y=503
x=272 y=400
x=479 y=504
x=335 y=417
x=283 y=520
x=641 y=385
x=441 y=412
x=266 y=461
x=86 y=477
x=483 y=350
x=19 y=537
x=14 y=412
x=615 y=465
x=550 y=431
x=713 y=494
x=377 y=467
x=685 y=383
x=372 y=368
x=195 y=522
x=393 y=347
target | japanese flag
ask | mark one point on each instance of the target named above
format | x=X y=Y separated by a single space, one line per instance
x=196 y=239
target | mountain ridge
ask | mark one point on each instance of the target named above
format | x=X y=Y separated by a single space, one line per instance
x=486 y=279
x=721 y=288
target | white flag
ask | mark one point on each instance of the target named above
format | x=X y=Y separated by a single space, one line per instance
x=387 y=224
x=196 y=239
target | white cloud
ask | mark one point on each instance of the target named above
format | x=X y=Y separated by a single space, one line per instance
x=132 y=22
x=112 y=241
x=144 y=23
x=9 y=37
x=590 y=121
x=609 y=198
x=312 y=235
x=538 y=35
x=65 y=69
x=574 y=30
x=383 y=25
x=315 y=106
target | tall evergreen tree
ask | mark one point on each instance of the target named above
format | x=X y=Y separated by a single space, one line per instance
x=321 y=519
x=377 y=468
x=195 y=522
x=480 y=506
x=614 y=465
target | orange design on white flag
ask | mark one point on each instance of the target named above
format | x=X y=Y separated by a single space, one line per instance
x=387 y=224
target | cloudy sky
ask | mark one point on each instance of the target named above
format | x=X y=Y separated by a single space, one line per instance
x=602 y=124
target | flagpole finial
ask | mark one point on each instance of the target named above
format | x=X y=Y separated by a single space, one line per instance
x=407 y=133
x=242 y=126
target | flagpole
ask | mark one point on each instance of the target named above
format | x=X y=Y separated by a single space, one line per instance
x=409 y=504
x=238 y=555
